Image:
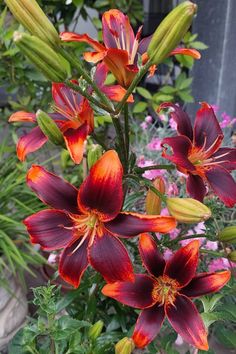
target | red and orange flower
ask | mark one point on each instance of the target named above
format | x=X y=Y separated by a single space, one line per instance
x=167 y=292
x=86 y=223
x=197 y=153
x=121 y=47
x=73 y=115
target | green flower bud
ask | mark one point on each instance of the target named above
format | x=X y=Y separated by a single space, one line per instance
x=228 y=234
x=170 y=32
x=32 y=17
x=49 y=128
x=94 y=153
x=95 y=330
x=232 y=256
x=124 y=346
x=188 y=210
x=51 y=64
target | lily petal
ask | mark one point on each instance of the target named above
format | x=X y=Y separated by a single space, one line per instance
x=129 y=224
x=94 y=57
x=116 y=93
x=186 y=51
x=73 y=262
x=66 y=99
x=74 y=37
x=182 y=266
x=30 y=142
x=152 y=259
x=207 y=131
x=136 y=294
x=22 y=116
x=101 y=192
x=222 y=184
x=110 y=258
x=52 y=229
x=187 y=322
x=180 y=146
x=206 y=283
x=100 y=74
x=196 y=187
x=75 y=139
x=148 y=325
x=184 y=126
x=52 y=190
x=226 y=157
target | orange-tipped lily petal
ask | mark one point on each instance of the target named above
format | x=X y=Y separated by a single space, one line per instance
x=152 y=259
x=30 y=142
x=186 y=51
x=22 y=116
x=129 y=224
x=187 y=322
x=52 y=190
x=182 y=266
x=206 y=283
x=75 y=139
x=73 y=37
x=102 y=192
x=116 y=93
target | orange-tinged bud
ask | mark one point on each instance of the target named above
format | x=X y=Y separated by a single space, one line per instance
x=228 y=234
x=170 y=32
x=188 y=210
x=95 y=330
x=153 y=202
x=32 y=17
x=124 y=346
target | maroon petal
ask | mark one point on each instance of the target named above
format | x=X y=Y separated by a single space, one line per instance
x=100 y=74
x=181 y=146
x=73 y=262
x=206 y=127
x=187 y=322
x=152 y=259
x=129 y=224
x=206 y=283
x=52 y=229
x=196 y=187
x=110 y=258
x=30 y=142
x=143 y=44
x=101 y=192
x=52 y=190
x=222 y=184
x=148 y=325
x=136 y=294
x=226 y=157
x=182 y=266
x=184 y=126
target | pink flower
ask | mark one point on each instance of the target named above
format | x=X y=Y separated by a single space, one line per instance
x=211 y=245
x=219 y=264
x=148 y=119
x=144 y=125
x=215 y=108
x=167 y=254
x=154 y=145
x=173 y=124
x=152 y=174
x=173 y=189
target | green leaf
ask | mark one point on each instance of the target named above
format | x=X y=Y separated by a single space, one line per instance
x=78 y=3
x=226 y=337
x=209 y=303
x=185 y=60
x=199 y=45
x=144 y=93
x=167 y=89
x=159 y=97
x=140 y=107
x=185 y=96
x=181 y=77
x=185 y=83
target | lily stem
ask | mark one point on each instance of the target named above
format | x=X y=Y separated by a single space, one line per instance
x=141 y=170
x=77 y=65
x=126 y=128
x=121 y=143
x=134 y=83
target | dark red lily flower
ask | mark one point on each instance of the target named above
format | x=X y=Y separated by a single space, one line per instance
x=74 y=117
x=86 y=223
x=197 y=153
x=121 y=47
x=166 y=292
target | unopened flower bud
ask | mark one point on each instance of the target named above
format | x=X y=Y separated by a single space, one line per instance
x=153 y=202
x=228 y=234
x=232 y=256
x=94 y=153
x=42 y=56
x=124 y=346
x=32 y=17
x=49 y=128
x=170 y=32
x=188 y=210
x=95 y=330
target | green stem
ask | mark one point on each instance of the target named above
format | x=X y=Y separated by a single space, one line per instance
x=77 y=65
x=141 y=170
x=134 y=83
x=181 y=238
x=99 y=141
x=213 y=253
x=86 y=95
x=121 y=143
x=126 y=127
x=149 y=184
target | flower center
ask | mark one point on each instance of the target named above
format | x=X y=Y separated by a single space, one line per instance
x=165 y=290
